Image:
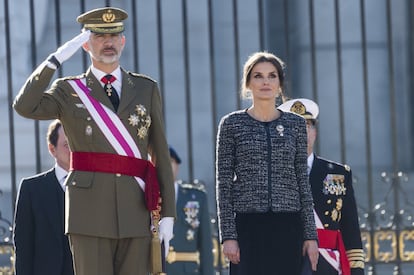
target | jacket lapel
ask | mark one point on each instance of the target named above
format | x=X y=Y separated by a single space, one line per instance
x=128 y=94
x=53 y=202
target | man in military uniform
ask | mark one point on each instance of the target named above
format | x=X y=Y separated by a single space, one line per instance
x=113 y=121
x=336 y=216
x=191 y=246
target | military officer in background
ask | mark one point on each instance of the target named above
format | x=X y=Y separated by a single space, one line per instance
x=191 y=247
x=335 y=212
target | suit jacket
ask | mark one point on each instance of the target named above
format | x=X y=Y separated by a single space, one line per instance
x=334 y=200
x=192 y=231
x=40 y=243
x=102 y=204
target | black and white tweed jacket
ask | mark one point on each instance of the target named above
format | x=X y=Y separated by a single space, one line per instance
x=260 y=167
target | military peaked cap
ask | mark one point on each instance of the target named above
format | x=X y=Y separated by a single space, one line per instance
x=307 y=108
x=103 y=20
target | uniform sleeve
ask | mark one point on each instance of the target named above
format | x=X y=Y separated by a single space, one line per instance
x=225 y=154
x=23 y=235
x=205 y=241
x=160 y=155
x=350 y=230
x=33 y=101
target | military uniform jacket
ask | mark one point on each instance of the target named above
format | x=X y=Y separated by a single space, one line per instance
x=101 y=204
x=335 y=205
x=192 y=232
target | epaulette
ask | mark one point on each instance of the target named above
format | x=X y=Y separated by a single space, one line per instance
x=332 y=163
x=141 y=75
x=196 y=185
x=74 y=77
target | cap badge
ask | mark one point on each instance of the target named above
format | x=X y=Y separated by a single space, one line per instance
x=298 y=108
x=108 y=16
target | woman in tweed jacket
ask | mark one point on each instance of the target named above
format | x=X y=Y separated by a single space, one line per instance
x=264 y=200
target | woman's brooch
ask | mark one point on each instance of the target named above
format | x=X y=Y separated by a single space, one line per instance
x=280 y=129
x=141 y=120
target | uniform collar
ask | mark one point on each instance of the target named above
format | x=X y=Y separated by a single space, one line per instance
x=117 y=73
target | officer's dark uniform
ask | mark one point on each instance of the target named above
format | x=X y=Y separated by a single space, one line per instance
x=335 y=205
x=334 y=200
x=191 y=246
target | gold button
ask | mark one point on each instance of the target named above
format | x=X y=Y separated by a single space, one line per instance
x=326 y=225
x=326 y=213
x=118 y=175
x=88 y=118
x=329 y=201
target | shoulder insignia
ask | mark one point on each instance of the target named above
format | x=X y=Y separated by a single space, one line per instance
x=74 y=77
x=331 y=164
x=140 y=75
x=199 y=185
x=196 y=185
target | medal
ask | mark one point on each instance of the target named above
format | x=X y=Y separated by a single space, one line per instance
x=141 y=120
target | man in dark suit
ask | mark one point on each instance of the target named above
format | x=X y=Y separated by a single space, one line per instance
x=40 y=243
x=336 y=214
x=119 y=155
x=191 y=248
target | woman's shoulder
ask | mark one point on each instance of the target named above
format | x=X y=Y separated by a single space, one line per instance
x=236 y=115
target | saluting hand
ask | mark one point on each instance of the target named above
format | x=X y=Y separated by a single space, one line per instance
x=65 y=51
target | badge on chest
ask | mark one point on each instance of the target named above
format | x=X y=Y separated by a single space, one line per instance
x=334 y=184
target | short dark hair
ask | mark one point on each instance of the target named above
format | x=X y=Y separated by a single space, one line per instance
x=53 y=132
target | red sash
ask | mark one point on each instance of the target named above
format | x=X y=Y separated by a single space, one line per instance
x=118 y=136
x=332 y=239
x=117 y=164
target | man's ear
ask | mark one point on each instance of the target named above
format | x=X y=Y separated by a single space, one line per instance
x=85 y=46
x=51 y=149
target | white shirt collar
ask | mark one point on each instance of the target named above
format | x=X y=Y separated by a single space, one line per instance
x=60 y=175
x=311 y=158
x=117 y=73
x=176 y=190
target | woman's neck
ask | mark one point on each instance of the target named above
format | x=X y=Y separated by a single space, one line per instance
x=264 y=112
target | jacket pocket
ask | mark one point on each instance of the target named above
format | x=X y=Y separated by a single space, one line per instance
x=80 y=179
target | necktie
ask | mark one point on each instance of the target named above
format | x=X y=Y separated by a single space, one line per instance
x=110 y=91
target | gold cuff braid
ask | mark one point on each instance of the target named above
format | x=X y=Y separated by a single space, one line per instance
x=356 y=258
